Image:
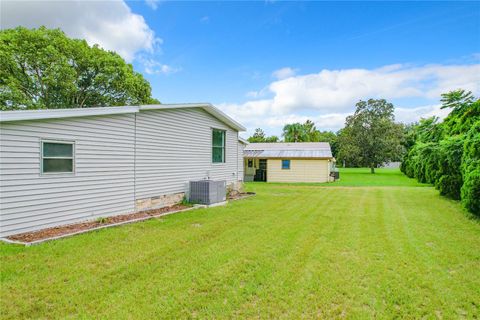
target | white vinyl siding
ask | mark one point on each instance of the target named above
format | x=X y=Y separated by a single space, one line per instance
x=174 y=146
x=117 y=159
x=101 y=186
x=240 y=147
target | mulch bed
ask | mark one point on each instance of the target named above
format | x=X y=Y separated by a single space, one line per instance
x=77 y=227
x=240 y=195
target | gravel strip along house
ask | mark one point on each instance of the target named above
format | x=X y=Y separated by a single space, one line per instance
x=288 y=162
x=62 y=166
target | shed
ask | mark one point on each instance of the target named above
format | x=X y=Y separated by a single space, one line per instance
x=288 y=162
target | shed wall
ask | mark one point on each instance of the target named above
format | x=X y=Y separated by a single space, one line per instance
x=301 y=170
x=102 y=185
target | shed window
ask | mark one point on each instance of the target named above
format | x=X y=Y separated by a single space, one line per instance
x=218 y=146
x=57 y=157
x=286 y=164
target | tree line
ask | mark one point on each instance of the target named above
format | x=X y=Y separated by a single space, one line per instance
x=297 y=132
x=447 y=153
x=370 y=137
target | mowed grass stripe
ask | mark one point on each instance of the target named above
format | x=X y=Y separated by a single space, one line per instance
x=289 y=252
x=291 y=263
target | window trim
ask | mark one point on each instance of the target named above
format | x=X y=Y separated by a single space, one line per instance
x=224 y=147
x=289 y=164
x=59 y=141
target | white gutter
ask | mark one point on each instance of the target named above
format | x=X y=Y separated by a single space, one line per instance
x=19 y=115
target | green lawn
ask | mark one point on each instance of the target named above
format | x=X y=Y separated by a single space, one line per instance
x=382 y=177
x=289 y=252
x=355 y=177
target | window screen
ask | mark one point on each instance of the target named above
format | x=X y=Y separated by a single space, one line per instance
x=218 y=146
x=285 y=164
x=57 y=157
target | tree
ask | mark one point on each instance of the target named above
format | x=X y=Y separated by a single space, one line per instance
x=371 y=137
x=259 y=136
x=307 y=132
x=330 y=137
x=44 y=69
x=311 y=132
x=294 y=132
x=456 y=99
x=272 y=139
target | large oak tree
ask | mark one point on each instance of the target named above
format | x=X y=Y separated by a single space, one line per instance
x=371 y=137
x=43 y=68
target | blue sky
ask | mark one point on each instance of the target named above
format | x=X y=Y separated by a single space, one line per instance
x=268 y=63
x=227 y=49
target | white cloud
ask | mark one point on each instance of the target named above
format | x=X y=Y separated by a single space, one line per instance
x=409 y=115
x=109 y=23
x=338 y=90
x=152 y=3
x=329 y=96
x=258 y=94
x=252 y=94
x=154 y=67
x=284 y=73
x=205 y=19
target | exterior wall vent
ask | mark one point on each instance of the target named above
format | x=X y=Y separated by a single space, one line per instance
x=208 y=191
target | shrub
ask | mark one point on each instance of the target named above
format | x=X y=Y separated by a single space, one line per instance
x=186 y=202
x=448 y=176
x=102 y=220
x=422 y=162
x=471 y=191
x=447 y=154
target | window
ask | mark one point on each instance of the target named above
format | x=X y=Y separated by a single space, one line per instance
x=218 y=146
x=285 y=164
x=57 y=157
x=250 y=163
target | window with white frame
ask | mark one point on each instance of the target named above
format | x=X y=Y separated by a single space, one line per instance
x=218 y=146
x=57 y=156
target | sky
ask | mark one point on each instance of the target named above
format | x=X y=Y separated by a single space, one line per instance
x=269 y=63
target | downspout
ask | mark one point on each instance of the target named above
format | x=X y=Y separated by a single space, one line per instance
x=135 y=161
x=238 y=178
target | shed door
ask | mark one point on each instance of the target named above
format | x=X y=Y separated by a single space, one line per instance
x=261 y=173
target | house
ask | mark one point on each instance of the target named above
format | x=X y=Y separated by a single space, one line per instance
x=242 y=143
x=63 y=166
x=288 y=162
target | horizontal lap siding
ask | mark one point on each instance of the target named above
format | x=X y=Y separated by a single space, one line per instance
x=300 y=171
x=103 y=183
x=174 y=146
x=240 y=165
